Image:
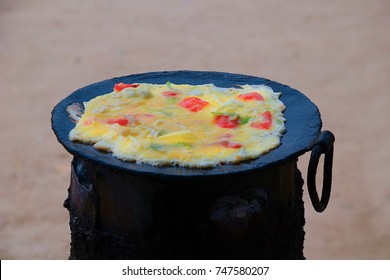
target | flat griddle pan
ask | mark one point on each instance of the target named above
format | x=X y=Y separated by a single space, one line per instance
x=303 y=123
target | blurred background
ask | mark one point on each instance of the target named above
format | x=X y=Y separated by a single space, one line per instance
x=335 y=52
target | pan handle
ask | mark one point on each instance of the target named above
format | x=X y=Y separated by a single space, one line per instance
x=323 y=144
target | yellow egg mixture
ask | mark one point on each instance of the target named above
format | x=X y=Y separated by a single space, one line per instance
x=186 y=125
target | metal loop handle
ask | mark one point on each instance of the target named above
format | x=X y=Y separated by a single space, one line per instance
x=323 y=144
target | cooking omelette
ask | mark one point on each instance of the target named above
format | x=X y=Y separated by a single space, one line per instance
x=185 y=125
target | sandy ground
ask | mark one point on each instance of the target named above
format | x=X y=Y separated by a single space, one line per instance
x=336 y=52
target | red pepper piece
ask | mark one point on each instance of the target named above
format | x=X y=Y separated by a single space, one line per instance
x=229 y=144
x=87 y=122
x=226 y=121
x=265 y=123
x=120 y=121
x=170 y=93
x=193 y=104
x=251 y=96
x=120 y=86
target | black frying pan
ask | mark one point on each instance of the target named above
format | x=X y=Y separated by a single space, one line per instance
x=303 y=122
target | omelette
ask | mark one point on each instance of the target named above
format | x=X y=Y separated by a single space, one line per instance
x=183 y=125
